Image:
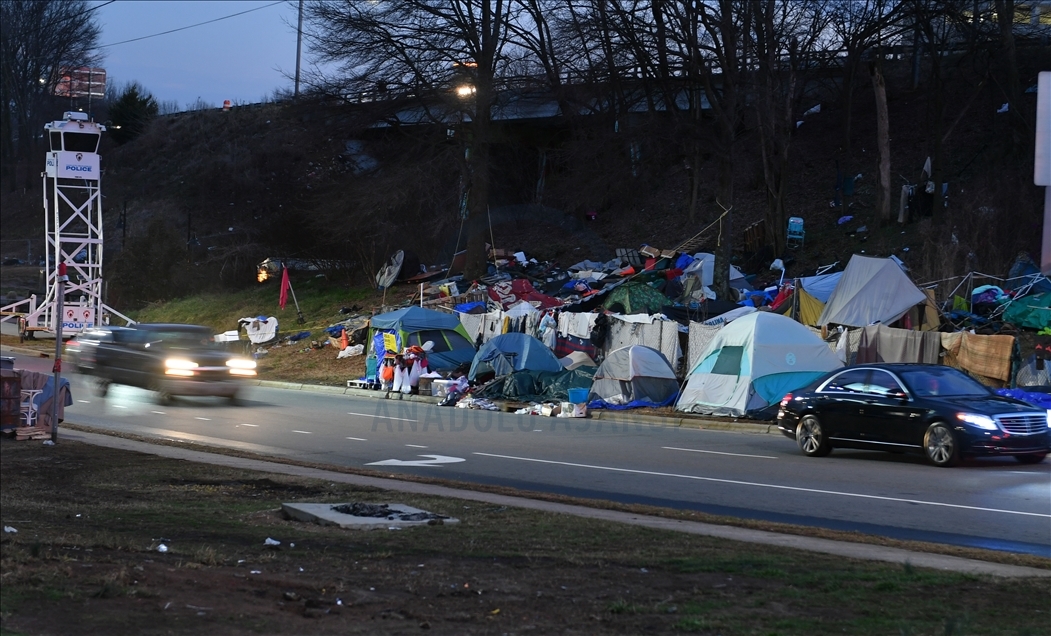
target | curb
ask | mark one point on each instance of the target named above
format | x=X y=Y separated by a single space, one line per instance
x=681 y=421
x=35 y=353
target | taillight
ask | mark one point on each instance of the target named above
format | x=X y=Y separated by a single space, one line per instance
x=785 y=400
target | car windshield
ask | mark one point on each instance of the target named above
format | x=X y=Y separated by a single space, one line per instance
x=182 y=339
x=944 y=381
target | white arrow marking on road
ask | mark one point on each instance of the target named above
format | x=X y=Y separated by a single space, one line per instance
x=436 y=460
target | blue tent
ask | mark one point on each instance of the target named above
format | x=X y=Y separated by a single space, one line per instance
x=415 y=326
x=511 y=352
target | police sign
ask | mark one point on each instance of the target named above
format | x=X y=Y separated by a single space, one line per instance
x=73 y=165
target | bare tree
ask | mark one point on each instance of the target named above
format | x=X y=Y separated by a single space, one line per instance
x=447 y=57
x=716 y=36
x=38 y=38
x=785 y=32
x=858 y=25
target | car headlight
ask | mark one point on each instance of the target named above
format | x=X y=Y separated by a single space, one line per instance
x=179 y=363
x=240 y=363
x=1049 y=418
x=981 y=421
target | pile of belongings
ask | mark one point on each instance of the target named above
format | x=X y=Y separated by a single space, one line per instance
x=401 y=373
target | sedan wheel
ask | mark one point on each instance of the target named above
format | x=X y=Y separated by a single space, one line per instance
x=811 y=438
x=940 y=445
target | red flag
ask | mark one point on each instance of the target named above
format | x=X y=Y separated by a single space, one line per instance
x=285 y=285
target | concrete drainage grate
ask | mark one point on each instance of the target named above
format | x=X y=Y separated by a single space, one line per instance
x=364 y=516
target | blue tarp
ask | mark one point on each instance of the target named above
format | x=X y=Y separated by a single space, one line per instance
x=415 y=318
x=636 y=404
x=1039 y=400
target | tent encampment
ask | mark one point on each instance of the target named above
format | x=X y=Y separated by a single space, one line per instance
x=415 y=326
x=635 y=298
x=631 y=377
x=752 y=363
x=511 y=352
x=871 y=290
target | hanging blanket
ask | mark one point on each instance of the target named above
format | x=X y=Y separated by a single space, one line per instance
x=880 y=343
x=988 y=356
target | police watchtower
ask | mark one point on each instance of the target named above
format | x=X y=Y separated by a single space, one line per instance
x=73 y=226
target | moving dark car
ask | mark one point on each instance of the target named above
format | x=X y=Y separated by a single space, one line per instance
x=932 y=409
x=169 y=359
x=80 y=350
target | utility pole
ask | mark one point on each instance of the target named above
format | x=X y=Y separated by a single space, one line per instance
x=299 y=48
x=60 y=282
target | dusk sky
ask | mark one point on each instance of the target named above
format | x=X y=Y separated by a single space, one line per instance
x=242 y=58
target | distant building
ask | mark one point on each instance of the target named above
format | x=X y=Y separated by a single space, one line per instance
x=82 y=81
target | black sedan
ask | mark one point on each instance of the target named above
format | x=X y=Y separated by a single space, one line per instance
x=932 y=409
x=170 y=359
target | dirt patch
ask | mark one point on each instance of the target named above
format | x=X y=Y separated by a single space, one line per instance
x=85 y=559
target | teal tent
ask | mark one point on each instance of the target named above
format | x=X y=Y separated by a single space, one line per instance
x=512 y=352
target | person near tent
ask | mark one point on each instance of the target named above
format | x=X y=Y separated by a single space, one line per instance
x=549 y=330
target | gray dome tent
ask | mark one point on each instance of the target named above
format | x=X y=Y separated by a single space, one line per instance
x=631 y=377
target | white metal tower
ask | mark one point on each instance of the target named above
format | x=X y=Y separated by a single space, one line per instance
x=73 y=225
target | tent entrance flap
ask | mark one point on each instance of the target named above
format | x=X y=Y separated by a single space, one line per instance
x=729 y=361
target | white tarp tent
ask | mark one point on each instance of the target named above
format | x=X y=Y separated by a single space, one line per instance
x=871 y=290
x=634 y=376
x=752 y=363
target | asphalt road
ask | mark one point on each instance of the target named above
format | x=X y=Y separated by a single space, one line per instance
x=993 y=503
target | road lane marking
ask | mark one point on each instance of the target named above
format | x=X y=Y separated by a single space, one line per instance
x=119 y=406
x=159 y=412
x=358 y=439
x=84 y=401
x=761 y=485
x=435 y=460
x=203 y=419
x=252 y=425
x=415 y=446
x=303 y=432
x=694 y=450
x=384 y=417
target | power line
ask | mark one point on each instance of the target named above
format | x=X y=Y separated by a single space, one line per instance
x=64 y=18
x=225 y=17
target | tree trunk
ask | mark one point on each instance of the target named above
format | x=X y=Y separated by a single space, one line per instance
x=1005 y=16
x=724 y=251
x=478 y=189
x=882 y=144
x=847 y=99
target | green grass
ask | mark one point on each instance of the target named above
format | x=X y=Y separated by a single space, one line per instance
x=556 y=572
x=319 y=300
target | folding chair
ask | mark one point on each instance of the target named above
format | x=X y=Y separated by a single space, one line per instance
x=795 y=232
x=372 y=377
x=28 y=407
